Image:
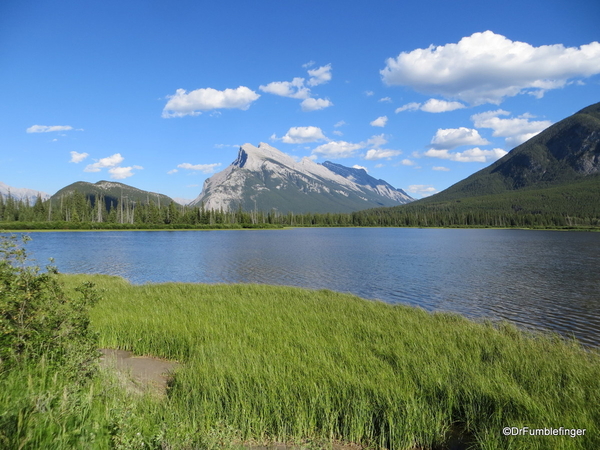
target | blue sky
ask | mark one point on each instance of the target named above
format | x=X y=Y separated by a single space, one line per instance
x=160 y=95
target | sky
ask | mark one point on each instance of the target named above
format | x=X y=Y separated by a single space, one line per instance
x=160 y=94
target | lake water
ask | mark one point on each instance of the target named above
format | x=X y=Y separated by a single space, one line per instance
x=536 y=279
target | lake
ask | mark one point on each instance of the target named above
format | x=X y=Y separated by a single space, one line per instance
x=547 y=280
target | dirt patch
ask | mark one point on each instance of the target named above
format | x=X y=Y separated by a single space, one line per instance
x=139 y=373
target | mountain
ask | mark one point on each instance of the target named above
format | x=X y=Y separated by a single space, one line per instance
x=566 y=152
x=552 y=179
x=21 y=193
x=112 y=193
x=264 y=178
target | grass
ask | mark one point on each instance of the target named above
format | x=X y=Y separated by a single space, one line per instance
x=266 y=363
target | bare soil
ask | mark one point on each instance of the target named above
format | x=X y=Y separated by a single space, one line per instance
x=139 y=373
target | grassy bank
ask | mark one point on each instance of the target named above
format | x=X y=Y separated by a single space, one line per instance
x=285 y=364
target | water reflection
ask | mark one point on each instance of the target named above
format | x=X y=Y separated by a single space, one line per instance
x=538 y=279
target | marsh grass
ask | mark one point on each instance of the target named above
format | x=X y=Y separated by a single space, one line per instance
x=266 y=363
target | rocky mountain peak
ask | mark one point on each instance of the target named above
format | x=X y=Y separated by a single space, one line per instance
x=266 y=178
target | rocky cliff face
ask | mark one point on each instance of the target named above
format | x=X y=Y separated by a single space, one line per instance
x=264 y=178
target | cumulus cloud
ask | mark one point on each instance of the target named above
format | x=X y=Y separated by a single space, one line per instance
x=343 y=149
x=103 y=163
x=379 y=122
x=431 y=106
x=515 y=130
x=424 y=190
x=450 y=138
x=299 y=88
x=440 y=168
x=204 y=168
x=385 y=100
x=120 y=173
x=78 y=157
x=413 y=106
x=48 y=128
x=472 y=155
x=376 y=141
x=337 y=149
x=407 y=162
x=303 y=135
x=314 y=104
x=192 y=103
x=437 y=106
x=356 y=166
x=375 y=154
x=291 y=89
x=488 y=67
x=319 y=76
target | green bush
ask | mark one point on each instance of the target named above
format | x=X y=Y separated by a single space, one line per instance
x=37 y=319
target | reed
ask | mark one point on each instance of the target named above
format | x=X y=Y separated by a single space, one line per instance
x=266 y=363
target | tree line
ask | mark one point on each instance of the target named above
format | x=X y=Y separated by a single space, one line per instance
x=78 y=210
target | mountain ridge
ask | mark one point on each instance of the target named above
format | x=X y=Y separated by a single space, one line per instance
x=265 y=178
x=563 y=153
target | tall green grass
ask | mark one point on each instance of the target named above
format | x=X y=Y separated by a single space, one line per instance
x=286 y=364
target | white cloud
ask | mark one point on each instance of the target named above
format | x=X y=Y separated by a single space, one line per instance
x=487 y=67
x=375 y=154
x=314 y=104
x=450 y=138
x=319 y=76
x=303 y=135
x=338 y=133
x=431 y=106
x=379 y=122
x=120 y=173
x=407 y=162
x=299 y=88
x=472 y=155
x=172 y=171
x=337 y=149
x=339 y=124
x=385 y=100
x=440 y=168
x=413 y=106
x=424 y=190
x=515 y=130
x=194 y=102
x=291 y=89
x=356 y=166
x=308 y=64
x=204 y=168
x=437 y=106
x=48 y=128
x=369 y=93
x=343 y=149
x=78 y=157
x=103 y=163
x=376 y=141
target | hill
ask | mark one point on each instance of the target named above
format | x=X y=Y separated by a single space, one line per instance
x=112 y=193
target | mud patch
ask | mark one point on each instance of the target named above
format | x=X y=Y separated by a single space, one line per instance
x=139 y=374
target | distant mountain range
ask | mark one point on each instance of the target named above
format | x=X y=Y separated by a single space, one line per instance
x=21 y=193
x=556 y=171
x=263 y=178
